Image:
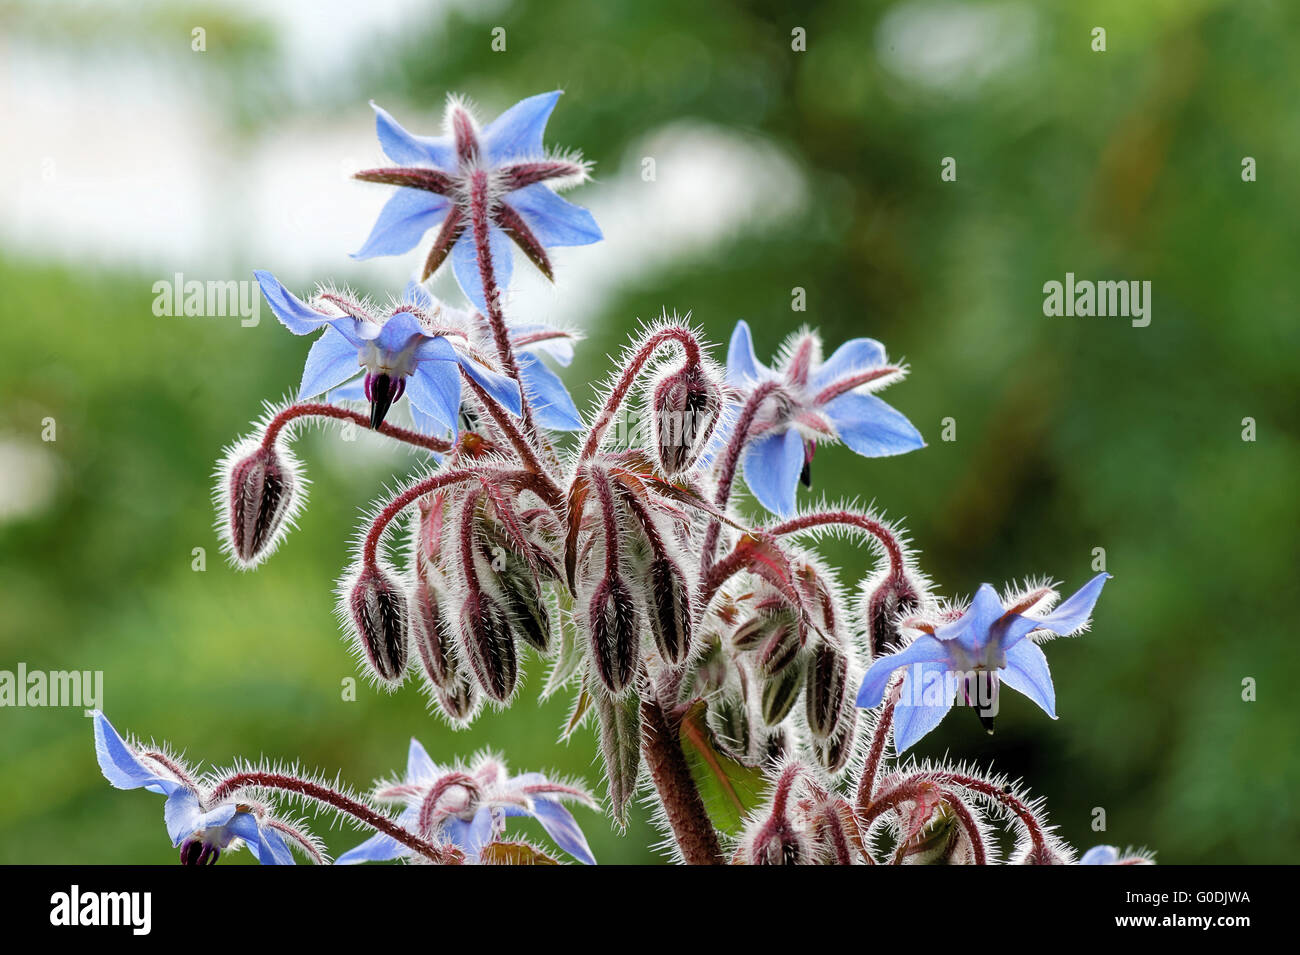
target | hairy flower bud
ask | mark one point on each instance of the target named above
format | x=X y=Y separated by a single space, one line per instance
x=614 y=630
x=530 y=614
x=489 y=644
x=777 y=842
x=620 y=745
x=729 y=720
x=894 y=596
x=379 y=614
x=670 y=610
x=780 y=691
x=833 y=752
x=779 y=649
x=458 y=699
x=260 y=493
x=429 y=634
x=825 y=690
x=760 y=628
x=684 y=411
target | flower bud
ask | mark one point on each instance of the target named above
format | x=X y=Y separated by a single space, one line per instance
x=758 y=629
x=684 y=411
x=670 y=610
x=429 y=634
x=379 y=614
x=891 y=598
x=489 y=645
x=458 y=699
x=824 y=692
x=778 y=842
x=780 y=647
x=261 y=492
x=614 y=631
x=620 y=745
x=529 y=613
x=780 y=691
x=833 y=752
x=729 y=720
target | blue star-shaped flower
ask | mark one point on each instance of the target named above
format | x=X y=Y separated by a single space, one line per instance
x=202 y=832
x=435 y=176
x=983 y=647
x=470 y=806
x=819 y=401
x=407 y=352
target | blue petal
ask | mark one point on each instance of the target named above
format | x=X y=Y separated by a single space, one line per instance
x=380 y=847
x=517 y=133
x=332 y=359
x=402 y=223
x=354 y=390
x=854 y=356
x=407 y=149
x=434 y=388
x=743 y=368
x=973 y=630
x=555 y=221
x=266 y=845
x=396 y=333
x=772 y=465
x=505 y=390
x=293 y=313
x=418 y=764
x=464 y=262
x=563 y=828
x=924 y=649
x=1027 y=672
x=470 y=835
x=183 y=816
x=1100 y=855
x=547 y=395
x=415 y=294
x=1074 y=613
x=121 y=767
x=870 y=427
x=914 y=720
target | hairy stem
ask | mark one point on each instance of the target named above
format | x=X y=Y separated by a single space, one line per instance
x=672 y=778
x=336 y=800
x=887 y=538
x=321 y=410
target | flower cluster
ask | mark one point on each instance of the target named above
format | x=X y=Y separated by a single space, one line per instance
x=763 y=706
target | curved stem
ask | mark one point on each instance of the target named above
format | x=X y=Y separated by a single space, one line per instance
x=968 y=823
x=871 y=767
x=881 y=532
x=318 y=409
x=420 y=488
x=1026 y=815
x=672 y=333
x=345 y=804
x=525 y=450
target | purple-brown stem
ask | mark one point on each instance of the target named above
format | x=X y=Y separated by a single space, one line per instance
x=871 y=767
x=967 y=822
x=683 y=805
x=322 y=410
x=672 y=333
x=345 y=804
x=893 y=547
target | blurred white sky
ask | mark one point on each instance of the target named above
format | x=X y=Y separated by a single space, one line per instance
x=107 y=161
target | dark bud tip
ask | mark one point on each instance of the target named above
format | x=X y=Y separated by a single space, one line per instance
x=379 y=613
x=685 y=408
x=670 y=611
x=489 y=645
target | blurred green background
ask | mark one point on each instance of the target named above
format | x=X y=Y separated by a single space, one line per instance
x=130 y=156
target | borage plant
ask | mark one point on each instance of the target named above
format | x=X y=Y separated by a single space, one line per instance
x=762 y=709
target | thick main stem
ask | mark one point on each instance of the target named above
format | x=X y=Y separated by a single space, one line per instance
x=683 y=804
x=345 y=804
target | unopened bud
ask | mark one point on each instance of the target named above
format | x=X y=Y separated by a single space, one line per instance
x=833 y=752
x=457 y=700
x=777 y=842
x=489 y=645
x=729 y=720
x=429 y=633
x=685 y=409
x=531 y=616
x=780 y=692
x=757 y=630
x=824 y=693
x=779 y=649
x=670 y=610
x=893 y=597
x=615 y=633
x=378 y=610
x=261 y=492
